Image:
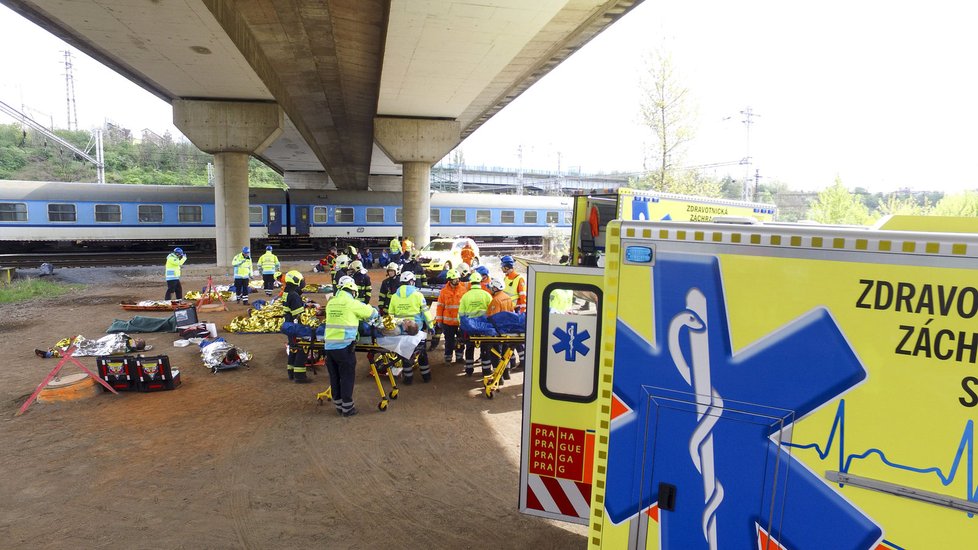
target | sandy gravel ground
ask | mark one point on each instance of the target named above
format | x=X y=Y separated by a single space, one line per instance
x=246 y=459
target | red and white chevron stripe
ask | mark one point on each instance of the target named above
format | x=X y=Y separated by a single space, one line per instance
x=558 y=496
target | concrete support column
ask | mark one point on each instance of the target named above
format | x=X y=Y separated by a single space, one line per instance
x=417 y=202
x=231 y=131
x=231 y=205
x=417 y=144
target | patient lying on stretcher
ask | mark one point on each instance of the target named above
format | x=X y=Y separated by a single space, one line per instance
x=389 y=326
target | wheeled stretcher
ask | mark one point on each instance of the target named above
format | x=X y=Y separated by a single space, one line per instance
x=381 y=361
x=503 y=347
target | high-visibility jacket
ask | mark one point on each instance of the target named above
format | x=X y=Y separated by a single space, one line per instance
x=467 y=255
x=173 y=263
x=515 y=287
x=446 y=312
x=561 y=300
x=474 y=303
x=408 y=246
x=395 y=246
x=242 y=266
x=343 y=316
x=269 y=263
x=408 y=303
x=500 y=302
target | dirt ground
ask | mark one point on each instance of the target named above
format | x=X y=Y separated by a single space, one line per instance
x=245 y=458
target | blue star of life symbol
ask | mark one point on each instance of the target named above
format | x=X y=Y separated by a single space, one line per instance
x=570 y=341
x=706 y=421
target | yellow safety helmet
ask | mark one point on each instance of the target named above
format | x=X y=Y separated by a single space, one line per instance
x=475 y=278
x=451 y=274
x=293 y=277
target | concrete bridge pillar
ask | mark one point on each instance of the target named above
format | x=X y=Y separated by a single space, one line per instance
x=231 y=131
x=417 y=144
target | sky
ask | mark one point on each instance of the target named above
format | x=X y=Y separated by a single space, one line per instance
x=882 y=95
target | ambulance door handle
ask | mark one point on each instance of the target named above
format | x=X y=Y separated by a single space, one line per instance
x=667 y=497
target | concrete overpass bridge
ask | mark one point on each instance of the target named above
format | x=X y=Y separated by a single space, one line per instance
x=348 y=94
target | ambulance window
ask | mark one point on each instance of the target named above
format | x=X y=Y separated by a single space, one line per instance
x=570 y=342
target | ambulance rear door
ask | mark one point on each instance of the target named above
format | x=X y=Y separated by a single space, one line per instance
x=560 y=391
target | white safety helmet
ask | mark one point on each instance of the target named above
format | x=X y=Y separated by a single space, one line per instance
x=395 y=267
x=347 y=283
x=342 y=261
x=464 y=270
x=407 y=277
x=356 y=265
x=496 y=285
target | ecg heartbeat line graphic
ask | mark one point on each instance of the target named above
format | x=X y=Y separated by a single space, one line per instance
x=965 y=453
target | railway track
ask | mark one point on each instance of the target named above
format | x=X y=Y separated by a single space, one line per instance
x=141 y=258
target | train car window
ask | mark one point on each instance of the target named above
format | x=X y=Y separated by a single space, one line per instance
x=319 y=214
x=567 y=216
x=375 y=215
x=150 y=213
x=483 y=216
x=435 y=216
x=344 y=215
x=194 y=214
x=108 y=213
x=553 y=217
x=399 y=215
x=61 y=213
x=507 y=216
x=256 y=214
x=530 y=216
x=13 y=212
x=458 y=215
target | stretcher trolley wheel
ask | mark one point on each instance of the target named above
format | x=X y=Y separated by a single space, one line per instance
x=382 y=405
x=393 y=393
x=488 y=392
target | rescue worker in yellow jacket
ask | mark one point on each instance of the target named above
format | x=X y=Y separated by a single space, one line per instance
x=446 y=314
x=474 y=303
x=174 y=261
x=294 y=306
x=395 y=246
x=269 y=265
x=408 y=303
x=343 y=315
x=242 y=273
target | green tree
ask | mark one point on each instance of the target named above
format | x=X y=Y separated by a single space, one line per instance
x=667 y=110
x=958 y=204
x=904 y=204
x=836 y=205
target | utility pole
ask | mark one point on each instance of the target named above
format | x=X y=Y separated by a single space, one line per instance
x=757 y=182
x=72 y=108
x=748 y=119
x=519 y=174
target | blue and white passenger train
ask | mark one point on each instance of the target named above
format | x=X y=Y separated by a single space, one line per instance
x=121 y=216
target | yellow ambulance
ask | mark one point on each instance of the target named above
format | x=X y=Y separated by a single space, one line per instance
x=764 y=386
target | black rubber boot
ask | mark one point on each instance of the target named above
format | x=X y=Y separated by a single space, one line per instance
x=300 y=378
x=291 y=374
x=426 y=377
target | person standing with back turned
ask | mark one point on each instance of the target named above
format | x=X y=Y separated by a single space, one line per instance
x=242 y=273
x=269 y=265
x=174 y=261
x=343 y=315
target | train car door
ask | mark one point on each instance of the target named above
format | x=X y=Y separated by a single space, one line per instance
x=301 y=220
x=274 y=219
x=560 y=385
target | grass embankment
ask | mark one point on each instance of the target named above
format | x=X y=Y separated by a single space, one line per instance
x=25 y=289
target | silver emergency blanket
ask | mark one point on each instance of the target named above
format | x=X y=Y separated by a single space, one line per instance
x=403 y=345
x=110 y=344
x=214 y=353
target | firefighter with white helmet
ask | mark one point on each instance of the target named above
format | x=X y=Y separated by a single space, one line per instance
x=389 y=285
x=341 y=268
x=269 y=265
x=174 y=261
x=408 y=303
x=294 y=306
x=343 y=315
x=362 y=279
x=243 y=267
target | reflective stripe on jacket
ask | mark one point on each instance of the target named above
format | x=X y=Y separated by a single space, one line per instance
x=446 y=311
x=474 y=303
x=269 y=263
x=242 y=267
x=173 y=263
x=407 y=302
x=343 y=316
